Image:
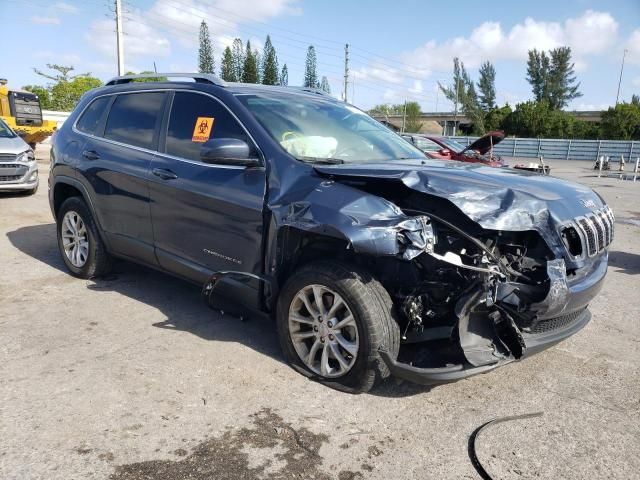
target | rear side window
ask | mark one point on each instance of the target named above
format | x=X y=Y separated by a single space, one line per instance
x=427 y=145
x=133 y=118
x=195 y=119
x=91 y=117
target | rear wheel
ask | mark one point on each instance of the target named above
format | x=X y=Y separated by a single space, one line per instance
x=79 y=242
x=332 y=321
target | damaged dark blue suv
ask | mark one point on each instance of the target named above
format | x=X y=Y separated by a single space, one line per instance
x=374 y=260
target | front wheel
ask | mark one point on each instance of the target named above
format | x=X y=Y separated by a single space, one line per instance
x=332 y=321
x=79 y=241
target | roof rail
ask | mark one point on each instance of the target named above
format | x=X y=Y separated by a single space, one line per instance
x=317 y=91
x=198 y=77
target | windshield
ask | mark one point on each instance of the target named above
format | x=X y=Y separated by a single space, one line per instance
x=5 y=131
x=320 y=130
x=453 y=145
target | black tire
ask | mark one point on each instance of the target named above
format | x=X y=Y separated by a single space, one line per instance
x=98 y=261
x=372 y=309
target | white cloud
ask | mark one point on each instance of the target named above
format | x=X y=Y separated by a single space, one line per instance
x=150 y=32
x=182 y=19
x=45 y=20
x=633 y=47
x=373 y=73
x=417 y=87
x=140 y=39
x=591 y=33
x=66 y=7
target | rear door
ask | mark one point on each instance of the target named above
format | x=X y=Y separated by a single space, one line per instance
x=206 y=218
x=116 y=165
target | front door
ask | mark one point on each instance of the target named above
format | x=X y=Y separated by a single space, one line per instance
x=116 y=163
x=206 y=218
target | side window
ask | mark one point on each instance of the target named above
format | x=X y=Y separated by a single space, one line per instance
x=90 y=119
x=426 y=145
x=195 y=119
x=133 y=118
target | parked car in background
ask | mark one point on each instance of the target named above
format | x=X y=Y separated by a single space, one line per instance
x=18 y=166
x=372 y=260
x=480 y=151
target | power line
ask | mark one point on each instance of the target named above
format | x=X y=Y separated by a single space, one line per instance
x=188 y=30
x=371 y=57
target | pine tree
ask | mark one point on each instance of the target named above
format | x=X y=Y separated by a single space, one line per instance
x=552 y=77
x=270 y=64
x=538 y=74
x=487 y=87
x=259 y=61
x=563 y=85
x=206 y=61
x=311 y=69
x=227 y=67
x=463 y=92
x=284 y=76
x=250 y=69
x=237 y=53
x=324 y=85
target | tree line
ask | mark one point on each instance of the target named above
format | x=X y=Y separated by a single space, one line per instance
x=242 y=63
x=554 y=85
x=551 y=75
x=238 y=63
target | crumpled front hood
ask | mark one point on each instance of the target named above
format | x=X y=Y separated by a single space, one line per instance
x=497 y=199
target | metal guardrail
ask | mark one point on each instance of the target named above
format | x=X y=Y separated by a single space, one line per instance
x=561 y=149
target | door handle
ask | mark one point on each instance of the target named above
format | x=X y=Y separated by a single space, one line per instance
x=90 y=155
x=164 y=173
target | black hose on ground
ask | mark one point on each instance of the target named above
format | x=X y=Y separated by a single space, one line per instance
x=471 y=447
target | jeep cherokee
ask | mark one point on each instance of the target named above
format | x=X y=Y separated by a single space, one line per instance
x=374 y=260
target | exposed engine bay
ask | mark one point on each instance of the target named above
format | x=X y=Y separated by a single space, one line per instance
x=467 y=296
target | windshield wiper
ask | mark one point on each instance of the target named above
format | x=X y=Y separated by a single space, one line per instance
x=323 y=161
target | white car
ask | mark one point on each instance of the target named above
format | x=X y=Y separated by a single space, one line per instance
x=18 y=166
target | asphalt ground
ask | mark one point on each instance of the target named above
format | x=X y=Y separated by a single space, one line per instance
x=132 y=377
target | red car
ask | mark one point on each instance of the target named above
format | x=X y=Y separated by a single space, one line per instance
x=480 y=151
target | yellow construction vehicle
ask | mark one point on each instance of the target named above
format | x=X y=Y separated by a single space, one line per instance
x=21 y=111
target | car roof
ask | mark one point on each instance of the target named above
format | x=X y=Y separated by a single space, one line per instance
x=202 y=79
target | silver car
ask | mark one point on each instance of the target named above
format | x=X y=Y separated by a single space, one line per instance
x=18 y=166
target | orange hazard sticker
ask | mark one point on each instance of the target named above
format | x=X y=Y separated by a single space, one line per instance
x=202 y=130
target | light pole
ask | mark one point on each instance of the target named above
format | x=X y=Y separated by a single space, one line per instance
x=624 y=54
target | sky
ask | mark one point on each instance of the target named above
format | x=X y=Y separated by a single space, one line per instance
x=397 y=50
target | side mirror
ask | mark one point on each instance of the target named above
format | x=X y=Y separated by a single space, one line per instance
x=444 y=151
x=227 y=151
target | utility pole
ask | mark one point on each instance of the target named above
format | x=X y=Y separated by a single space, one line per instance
x=404 y=116
x=624 y=54
x=455 y=110
x=346 y=70
x=119 y=44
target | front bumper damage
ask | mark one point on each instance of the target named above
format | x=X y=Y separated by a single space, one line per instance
x=487 y=343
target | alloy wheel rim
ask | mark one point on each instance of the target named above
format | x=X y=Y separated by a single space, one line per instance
x=75 y=239
x=323 y=331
